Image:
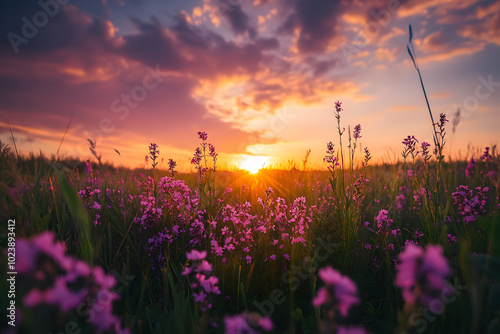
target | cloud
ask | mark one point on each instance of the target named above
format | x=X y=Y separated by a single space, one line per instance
x=315 y=22
x=487 y=29
x=441 y=95
x=238 y=19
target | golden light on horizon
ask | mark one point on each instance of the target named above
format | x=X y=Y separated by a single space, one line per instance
x=253 y=163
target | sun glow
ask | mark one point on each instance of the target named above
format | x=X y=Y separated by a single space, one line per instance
x=253 y=163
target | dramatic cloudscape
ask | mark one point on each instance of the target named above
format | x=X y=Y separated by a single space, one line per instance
x=259 y=76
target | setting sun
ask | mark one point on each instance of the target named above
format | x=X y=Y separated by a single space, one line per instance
x=254 y=163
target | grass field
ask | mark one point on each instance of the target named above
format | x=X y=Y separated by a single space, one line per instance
x=405 y=248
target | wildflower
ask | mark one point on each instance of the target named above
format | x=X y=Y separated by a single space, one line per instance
x=41 y=256
x=421 y=274
x=486 y=155
x=213 y=154
x=357 y=131
x=352 y=330
x=471 y=167
x=383 y=222
x=202 y=135
x=425 y=151
x=367 y=157
x=410 y=143
x=400 y=201
x=196 y=160
x=329 y=157
x=249 y=323
x=171 y=167
x=88 y=168
x=194 y=255
x=468 y=204
x=153 y=153
x=442 y=121
x=197 y=156
x=338 y=107
x=204 y=285
x=339 y=291
x=492 y=175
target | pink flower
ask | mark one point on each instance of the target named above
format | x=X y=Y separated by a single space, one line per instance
x=249 y=323
x=330 y=158
x=352 y=330
x=205 y=267
x=357 y=131
x=338 y=289
x=426 y=270
x=203 y=135
x=195 y=255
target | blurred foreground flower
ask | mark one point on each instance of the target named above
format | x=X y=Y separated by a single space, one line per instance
x=421 y=274
x=60 y=286
x=248 y=323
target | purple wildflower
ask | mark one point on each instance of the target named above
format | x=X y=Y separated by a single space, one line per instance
x=339 y=291
x=153 y=153
x=202 y=135
x=471 y=167
x=468 y=204
x=357 y=131
x=171 y=167
x=421 y=274
x=330 y=158
x=250 y=323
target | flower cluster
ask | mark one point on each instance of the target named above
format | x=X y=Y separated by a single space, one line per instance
x=153 y=154
x=421 y=274
x=91 y=201
x=339 y=292
x=425 y=151
x=486 y=155
x=79 y=287
x=442 y=121
x=357 y=132
x=200 y=155
x=470 y=205
x=202 y=135
x=471 y=167
x=338 y=109
x=204 y=285
x=248 y=323
x=329 y=158
x=171 y=167
x=410 y=143
x=383 y=222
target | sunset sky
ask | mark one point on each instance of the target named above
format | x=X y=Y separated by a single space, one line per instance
x=259 y=76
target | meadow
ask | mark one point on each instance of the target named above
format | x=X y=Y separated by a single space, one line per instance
x=410 y=247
